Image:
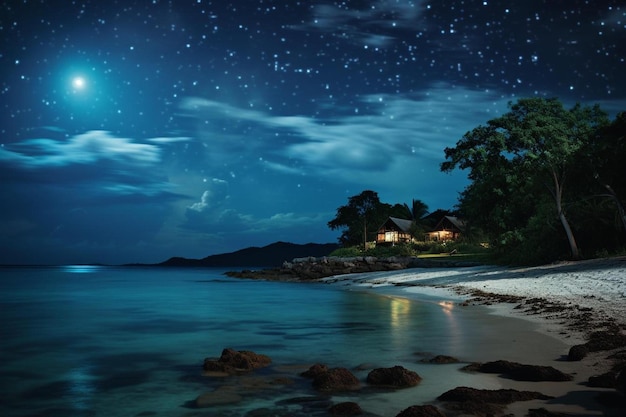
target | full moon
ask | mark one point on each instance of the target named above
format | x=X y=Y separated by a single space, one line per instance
x=78 y=83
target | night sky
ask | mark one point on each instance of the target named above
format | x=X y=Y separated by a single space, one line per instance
x=133 y=131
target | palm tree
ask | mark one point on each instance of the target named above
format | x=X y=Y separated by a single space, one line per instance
x=416 y=212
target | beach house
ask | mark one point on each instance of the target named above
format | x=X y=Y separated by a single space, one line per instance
x=447 y=229
x=393 y=231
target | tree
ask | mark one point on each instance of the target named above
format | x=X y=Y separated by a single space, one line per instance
x=363 y=214
x=417 y=210
x=416 y=213
x=517 y=155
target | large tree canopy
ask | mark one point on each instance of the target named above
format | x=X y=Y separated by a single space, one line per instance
x=519 y=165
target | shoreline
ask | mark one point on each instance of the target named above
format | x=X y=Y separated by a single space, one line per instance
x=574 y=303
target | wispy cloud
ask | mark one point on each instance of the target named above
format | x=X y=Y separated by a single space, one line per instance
x=86 y=148
x=380 y=130
x=371 y=24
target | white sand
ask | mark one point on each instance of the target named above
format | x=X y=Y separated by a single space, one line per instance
x=599 y=285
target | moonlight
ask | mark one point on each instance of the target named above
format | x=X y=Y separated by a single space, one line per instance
x=78 y=83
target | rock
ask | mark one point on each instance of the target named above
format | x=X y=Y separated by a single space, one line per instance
x=396 y=377
x=606 y=380
x=442 y=359
x=345 y=409
x=315 y=370
x=480 y=402
x=232 y=362
x=499 y=396
x=336 y=379
x=577 y=353
x=421 y=411
x=520 y=372
x=606 y=340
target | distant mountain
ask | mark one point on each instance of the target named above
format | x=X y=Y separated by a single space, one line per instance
x=267 y=256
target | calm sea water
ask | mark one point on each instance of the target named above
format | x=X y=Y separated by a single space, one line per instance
x=106 y=341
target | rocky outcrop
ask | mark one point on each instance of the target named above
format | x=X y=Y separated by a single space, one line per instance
x=311 y=268
x=520 y=372
x=233 y=362
x=396 y=377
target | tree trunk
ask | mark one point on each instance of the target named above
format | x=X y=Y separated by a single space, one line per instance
x=364 y=233
x=558 y=195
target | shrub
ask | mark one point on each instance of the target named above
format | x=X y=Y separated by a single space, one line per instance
x=348 y=252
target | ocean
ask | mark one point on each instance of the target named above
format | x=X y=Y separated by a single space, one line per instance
x=130 y=341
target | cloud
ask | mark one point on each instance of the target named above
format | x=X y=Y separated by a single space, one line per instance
x=374 y=24
x=86 y=148
x=201 y=205
x=213 y=197
x=166 y=140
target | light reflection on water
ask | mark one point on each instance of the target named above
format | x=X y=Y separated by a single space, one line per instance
x=81 y=269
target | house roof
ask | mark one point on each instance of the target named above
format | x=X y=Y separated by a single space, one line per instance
x=403 y=224
x=454 y=221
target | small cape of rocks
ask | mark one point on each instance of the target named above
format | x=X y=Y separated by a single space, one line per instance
x=311 y=268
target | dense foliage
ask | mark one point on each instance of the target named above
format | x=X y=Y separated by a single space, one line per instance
x=546 y=182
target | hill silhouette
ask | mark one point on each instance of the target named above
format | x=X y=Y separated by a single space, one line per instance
x=267 y=256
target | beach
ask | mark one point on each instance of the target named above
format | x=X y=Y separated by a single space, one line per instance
x=567 y=301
